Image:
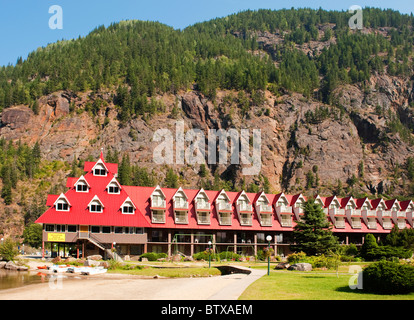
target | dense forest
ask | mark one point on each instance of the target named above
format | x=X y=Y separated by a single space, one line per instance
x=138 y=59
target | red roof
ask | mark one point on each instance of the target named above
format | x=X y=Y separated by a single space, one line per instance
x=112 y=215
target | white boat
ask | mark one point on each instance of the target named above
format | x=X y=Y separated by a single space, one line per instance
x=86 y=270
x=58 y=268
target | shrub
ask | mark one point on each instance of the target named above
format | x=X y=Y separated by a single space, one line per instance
x=388 y=278
x=153 y=256
x=387 y=252
x=8 y=250
x=296 y=257
x=229 y=255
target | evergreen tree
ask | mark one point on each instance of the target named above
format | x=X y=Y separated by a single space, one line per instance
x=125 y=177
x=313 y=235
x=171 y=179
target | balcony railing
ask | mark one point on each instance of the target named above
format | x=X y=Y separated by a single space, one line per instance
x=245 y=207
x=369 y=213
x=158 y=203
x=386 y=213
x=372 y=224
x=202 y=205
x=401 y=214
x=284 y=209
x=180 y=205
x=265 y=208
x=224 y=206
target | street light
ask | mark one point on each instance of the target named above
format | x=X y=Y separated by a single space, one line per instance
x=209 y=254
x=268 y=238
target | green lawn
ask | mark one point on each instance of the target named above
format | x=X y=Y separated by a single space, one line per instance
x=170 y=272
x=319 y=285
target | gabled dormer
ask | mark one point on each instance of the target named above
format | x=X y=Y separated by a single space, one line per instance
x=158 y=206
x=264 y=210
x=100 y=169
x=202 y=207
x=128 y=207
x=224 y=208
x=95 y=205
x=113 y=187
x=244 y=209
x=82 y=185
x=62 y=203
x=297 y=204
x=180 y=206
x=283 y=210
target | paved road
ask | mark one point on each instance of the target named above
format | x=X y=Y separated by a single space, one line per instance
x=228 y=287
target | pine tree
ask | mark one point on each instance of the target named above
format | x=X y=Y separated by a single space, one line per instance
x=125 y=177
x=171 y=179
x=313 y=235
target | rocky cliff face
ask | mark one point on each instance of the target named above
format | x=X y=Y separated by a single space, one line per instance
x=306 y=146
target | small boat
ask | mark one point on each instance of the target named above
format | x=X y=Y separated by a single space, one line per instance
x=94 y=270
x=59 y=268
x=42 y=267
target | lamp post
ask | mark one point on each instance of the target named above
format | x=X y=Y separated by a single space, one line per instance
x=268 y=238
x=209 y=254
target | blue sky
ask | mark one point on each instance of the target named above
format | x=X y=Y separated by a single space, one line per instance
x=24 y=24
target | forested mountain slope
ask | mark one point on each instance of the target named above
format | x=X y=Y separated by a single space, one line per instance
x=335 y=106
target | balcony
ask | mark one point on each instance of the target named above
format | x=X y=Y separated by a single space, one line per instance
x=245 y=207
x=225 y=219
x=202 y=206
x=224 y=206
x=386 y=213
x=180 y=205
x=401 y=214
x=284 y=209
x=264 y=208
x=369 y=213
x=157 y=203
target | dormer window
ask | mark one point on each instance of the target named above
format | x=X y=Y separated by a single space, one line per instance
x=128 y=207
x=99 y=170
x=61 y=203
x=113 y=187
x=62 y=206
x=95 y=205
x=82 y=185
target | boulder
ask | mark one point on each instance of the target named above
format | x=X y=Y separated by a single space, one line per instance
x=11 y=266
x=2 y=264
x=282 y=265
x=301 y=267
x=95 y=257
x=91 y=263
